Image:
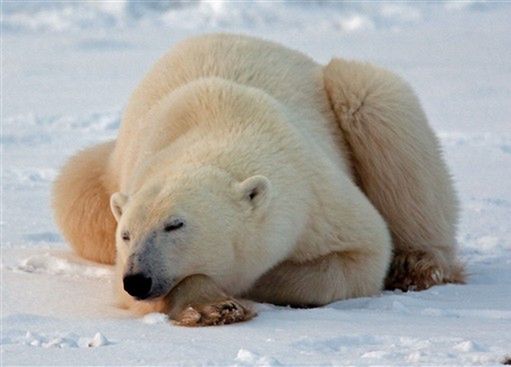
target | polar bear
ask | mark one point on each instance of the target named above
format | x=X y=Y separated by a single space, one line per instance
x=245 y=170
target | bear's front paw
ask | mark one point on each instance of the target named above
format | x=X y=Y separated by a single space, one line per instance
x=218 y=313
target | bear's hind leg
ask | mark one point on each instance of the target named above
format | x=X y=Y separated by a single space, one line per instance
x=81 y=203
x=397 y=161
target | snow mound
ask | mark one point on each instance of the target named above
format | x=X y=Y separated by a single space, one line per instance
x=409 y=349
x=155 y=318
x=33 y=129
x=68 y=340
x=248 y=358
x=49 y=264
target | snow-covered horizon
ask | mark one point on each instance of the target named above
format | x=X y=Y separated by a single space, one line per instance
x=347 y=16
x=67 y=71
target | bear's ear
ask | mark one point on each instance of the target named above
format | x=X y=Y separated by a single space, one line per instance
x=117 y=202
x=256 y=190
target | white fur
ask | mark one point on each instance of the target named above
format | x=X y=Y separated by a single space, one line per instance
x=191 y=133
x=241 y=139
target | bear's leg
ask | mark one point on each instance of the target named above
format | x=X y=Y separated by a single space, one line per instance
x=343 y=253
x=81 y=203
x=398 y=164
x=332 y=277
x=198 y=301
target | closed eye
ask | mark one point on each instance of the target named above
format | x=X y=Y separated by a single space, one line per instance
x=125 y=236
x=173 y=226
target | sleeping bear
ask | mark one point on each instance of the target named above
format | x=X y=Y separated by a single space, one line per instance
x=244 y=170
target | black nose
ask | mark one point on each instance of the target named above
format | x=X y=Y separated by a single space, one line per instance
x=137 y=285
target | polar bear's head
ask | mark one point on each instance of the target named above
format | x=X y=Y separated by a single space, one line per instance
x=202 y=221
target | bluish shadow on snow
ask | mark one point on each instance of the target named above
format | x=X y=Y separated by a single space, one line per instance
x=50 y=237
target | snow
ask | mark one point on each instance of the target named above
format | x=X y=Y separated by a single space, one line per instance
x=69 y=340
x=68 y=68
x=55 y=265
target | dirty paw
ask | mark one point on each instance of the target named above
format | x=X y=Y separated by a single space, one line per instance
x=414 y=271
x=219 y=313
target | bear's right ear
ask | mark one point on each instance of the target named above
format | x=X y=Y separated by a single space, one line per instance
x=117 y=202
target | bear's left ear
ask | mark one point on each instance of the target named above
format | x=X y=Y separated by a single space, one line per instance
x=256 y=190
x=117 y=202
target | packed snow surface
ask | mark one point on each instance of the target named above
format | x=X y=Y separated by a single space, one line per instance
x=68 y=68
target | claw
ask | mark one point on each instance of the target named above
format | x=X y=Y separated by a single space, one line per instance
x=221 y=313
x=414 y=271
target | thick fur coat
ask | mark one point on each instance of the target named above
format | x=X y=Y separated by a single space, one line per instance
x=245 y=169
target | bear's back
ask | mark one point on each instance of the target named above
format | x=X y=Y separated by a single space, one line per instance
x=287 y=75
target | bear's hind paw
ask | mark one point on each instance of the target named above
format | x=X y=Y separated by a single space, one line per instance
x=417 y=270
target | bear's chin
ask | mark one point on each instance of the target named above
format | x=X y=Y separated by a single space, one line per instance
x=159 y=292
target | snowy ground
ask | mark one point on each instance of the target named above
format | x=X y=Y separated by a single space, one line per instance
x=67 y=71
